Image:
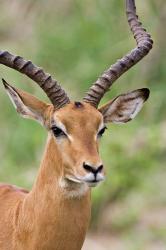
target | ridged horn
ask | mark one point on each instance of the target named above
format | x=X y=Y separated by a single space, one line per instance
x=144 y=45
x=55 y=93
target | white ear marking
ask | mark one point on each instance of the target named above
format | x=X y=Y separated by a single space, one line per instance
x=18 y=103
x=137 y=109
x=12 y=95
x=124 y=107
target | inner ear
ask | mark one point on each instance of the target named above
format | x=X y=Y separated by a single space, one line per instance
x=26 y=105
x=124 y=107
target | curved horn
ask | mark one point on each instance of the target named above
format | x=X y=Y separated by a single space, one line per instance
x=144 y=44
x=55 y=93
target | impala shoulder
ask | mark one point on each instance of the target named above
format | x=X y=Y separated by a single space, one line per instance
x=6 y=188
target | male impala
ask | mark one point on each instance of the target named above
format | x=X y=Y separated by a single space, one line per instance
x=55 y=214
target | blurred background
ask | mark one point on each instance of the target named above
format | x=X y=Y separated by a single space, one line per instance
x=76 y=41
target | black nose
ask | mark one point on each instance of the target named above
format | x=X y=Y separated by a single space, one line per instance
x=91 y=169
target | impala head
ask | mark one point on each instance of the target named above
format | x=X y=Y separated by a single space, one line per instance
x=76 y=127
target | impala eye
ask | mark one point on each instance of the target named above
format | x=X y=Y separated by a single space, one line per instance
x=101 y=132
x=58 y=132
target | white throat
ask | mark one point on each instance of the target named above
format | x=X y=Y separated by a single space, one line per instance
x=72 y=189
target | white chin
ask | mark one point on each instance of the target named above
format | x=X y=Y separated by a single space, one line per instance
x=92 y=184
x=79 y=181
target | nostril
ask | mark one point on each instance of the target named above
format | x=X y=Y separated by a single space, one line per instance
x=91 y=169
x=100 y=168
x=87 y=167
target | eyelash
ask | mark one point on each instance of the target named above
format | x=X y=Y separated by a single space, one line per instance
x=101 y=132
x=58 y=132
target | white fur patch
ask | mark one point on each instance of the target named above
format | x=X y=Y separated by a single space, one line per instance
x=138 y=107
x=73 y=190
x=59 y=124
x=21 y=108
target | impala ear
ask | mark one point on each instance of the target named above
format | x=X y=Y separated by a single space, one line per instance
x=124 y=107
x=26 y=105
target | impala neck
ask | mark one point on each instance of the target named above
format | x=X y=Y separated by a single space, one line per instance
x=51 y=169
x=51 y=175
x=51 y=211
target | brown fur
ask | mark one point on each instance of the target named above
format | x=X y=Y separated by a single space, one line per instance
x=46 y=218
x=55 y=214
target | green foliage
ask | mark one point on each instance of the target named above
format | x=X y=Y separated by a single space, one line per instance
x=76 y=41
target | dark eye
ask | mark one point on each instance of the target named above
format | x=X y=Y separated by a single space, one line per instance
x=101 y=132
x=58 y=132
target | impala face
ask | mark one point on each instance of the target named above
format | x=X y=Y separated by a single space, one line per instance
x=77 y=129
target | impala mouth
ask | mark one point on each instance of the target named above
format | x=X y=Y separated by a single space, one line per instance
x=92 y=183
x=90 y=180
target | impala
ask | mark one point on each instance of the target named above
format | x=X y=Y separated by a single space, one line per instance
x=55 y=214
